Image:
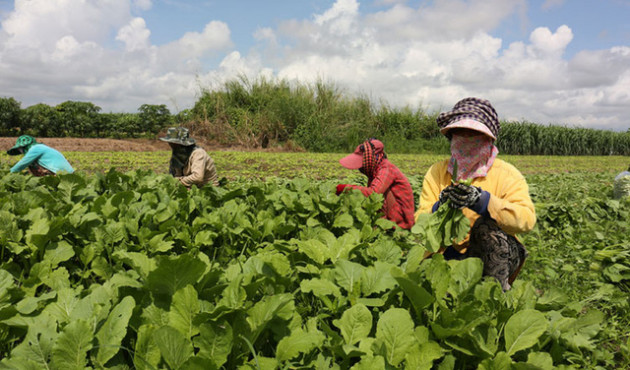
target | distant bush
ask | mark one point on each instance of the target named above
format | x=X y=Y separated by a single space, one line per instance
x=318 y=117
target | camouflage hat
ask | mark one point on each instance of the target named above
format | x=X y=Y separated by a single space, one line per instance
x=23 y=142
x=178 y=135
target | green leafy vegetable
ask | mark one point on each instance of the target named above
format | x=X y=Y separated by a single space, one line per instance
x=446 y=225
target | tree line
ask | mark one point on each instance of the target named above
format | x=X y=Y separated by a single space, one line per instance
x=317 y=117
x=81 y=119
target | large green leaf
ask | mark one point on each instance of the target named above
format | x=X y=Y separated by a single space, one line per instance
x=62 y=252
x=74 y=342
x=536 y=361
x=184 y=307
x=581 y=331
x=340 y=248
x=348 y=274
x=37 y=346
x=29 y=304
x=6 y=280
x=174 y=273
x=111 y=334
x=370 y=363
x=501 y=361
x=377 y=278
x=343 y=220
x=37 y=234
x=320 y=287
x=417 y=295
x=234 y=295
x=174 y=347
x=314 y=249
x=395 y=332
x=423 y=355
x=464 y=275
x=140 y=262
x=299 y=341
x=146 y=355
x=215 y=342
x=355 y=323
x=158 y=244
x=279 y=305
x=523 y=330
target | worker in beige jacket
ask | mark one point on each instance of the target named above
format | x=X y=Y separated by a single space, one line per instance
x=190 y=164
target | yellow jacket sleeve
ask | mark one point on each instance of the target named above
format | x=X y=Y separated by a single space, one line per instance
x=510 y=204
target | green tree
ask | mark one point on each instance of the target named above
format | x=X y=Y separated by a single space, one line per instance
x=10 y=116
x=42 y=119
x=153 y=118
x=128 y=125
x=77 y=118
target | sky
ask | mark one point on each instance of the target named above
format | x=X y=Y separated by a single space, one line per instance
x=564 y=62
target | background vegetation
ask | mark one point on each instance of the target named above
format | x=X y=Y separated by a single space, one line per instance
x=316 y=117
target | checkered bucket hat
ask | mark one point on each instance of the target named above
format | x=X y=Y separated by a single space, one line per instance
x=178 y=135
x=476 y=109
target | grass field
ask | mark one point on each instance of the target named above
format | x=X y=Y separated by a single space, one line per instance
x=261 y=165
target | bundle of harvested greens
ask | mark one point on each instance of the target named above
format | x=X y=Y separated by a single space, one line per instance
x=446 y=225
x=622 y=185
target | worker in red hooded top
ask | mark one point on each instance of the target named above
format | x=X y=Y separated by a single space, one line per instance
x=383 y=178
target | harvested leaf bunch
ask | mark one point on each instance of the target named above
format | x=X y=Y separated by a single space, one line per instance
x=445 y=226
x=622 y=186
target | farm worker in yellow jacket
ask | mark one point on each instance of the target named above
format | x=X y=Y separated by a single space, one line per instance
x=497 y=203
x=190 y=164
x=40 y=159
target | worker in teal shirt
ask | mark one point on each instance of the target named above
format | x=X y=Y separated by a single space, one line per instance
x=40 y=159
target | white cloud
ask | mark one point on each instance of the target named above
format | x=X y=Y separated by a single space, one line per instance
x=215 y=36
x=134 y=35
x=545 y=42
x=434 y=56
x=40 y=23
x=430 y=55
x=57 y=50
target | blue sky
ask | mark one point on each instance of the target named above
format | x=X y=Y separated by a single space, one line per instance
x=546 y=61
x=596 y=23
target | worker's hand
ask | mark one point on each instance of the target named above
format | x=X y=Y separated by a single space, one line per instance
x=464 y=195
x=340 y=188
x=445 y=195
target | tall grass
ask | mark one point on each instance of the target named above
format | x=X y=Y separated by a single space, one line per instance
x=320 y=117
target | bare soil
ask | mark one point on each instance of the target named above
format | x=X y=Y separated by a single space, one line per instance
x=125 y=145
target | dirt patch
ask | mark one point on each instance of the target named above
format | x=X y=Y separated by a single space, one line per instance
x=94 y=145
x=126 y=145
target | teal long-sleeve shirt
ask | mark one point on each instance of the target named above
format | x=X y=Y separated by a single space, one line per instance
x=46 y=157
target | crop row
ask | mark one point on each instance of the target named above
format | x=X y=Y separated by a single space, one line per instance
x=132 y=269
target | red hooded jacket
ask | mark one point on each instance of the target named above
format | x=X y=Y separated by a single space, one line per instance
x=398 y=205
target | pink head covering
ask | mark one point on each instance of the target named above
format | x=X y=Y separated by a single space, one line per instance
x=354 y=161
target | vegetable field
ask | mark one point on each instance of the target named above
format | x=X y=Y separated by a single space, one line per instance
x=105 y=269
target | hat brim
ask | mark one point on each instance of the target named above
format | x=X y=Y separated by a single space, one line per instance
x=177 y=141
x=352 y=162
x=14 y=151
x=470 y=124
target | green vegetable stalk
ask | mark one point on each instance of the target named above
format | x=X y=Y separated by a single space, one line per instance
x=444 y=226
